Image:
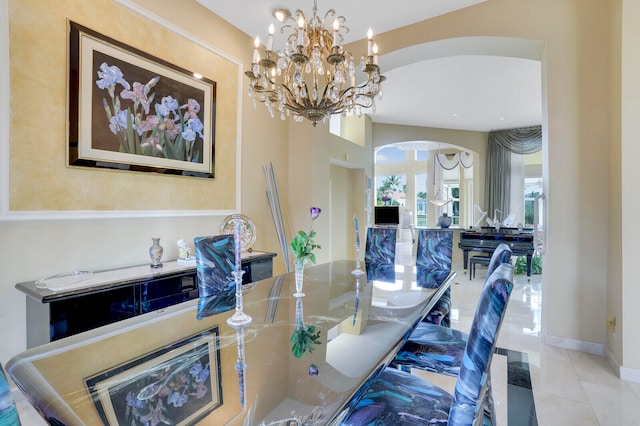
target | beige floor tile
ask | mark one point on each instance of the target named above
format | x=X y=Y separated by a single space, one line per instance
x=557 y=377
x=635 y=387
x=614 y=406
x=557 y=411
x=594 y=369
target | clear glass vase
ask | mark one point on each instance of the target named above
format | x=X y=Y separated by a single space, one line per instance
x=299 y=276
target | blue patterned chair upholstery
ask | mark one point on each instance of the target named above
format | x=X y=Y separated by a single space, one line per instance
x=502 y=254
x=381 y=272
x=215 y=263
x=434 y=253
x=434 y=249
x=8 y=410
x=380 y=247
x=439 y=349
x=430 y=278
x=397 y=397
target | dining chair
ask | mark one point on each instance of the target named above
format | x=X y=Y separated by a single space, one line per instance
x=398 y=397
x=439 y=349
x=215 y=263
x=380 y=247
x=434 y=253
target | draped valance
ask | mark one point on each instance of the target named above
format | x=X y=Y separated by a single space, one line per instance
x=502 y=143
x=526 y=140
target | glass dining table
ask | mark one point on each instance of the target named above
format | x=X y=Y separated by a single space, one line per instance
x=300 y=360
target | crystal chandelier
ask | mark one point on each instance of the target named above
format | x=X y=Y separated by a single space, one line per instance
x=313 y=77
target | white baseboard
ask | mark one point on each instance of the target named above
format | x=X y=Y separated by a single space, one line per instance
x=576 y=345
x=630 y=374
x=624 y=373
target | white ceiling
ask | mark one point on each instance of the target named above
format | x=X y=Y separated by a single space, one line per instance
x=444 y=85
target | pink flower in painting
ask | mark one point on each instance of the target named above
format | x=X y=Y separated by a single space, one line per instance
x=149 y=123
x=193 y=108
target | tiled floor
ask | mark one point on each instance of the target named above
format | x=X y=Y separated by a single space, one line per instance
x=569 y=387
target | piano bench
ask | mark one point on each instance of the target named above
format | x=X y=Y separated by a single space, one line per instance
x=477 y=260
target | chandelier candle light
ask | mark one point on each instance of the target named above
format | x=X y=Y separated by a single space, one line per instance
x=313 y=76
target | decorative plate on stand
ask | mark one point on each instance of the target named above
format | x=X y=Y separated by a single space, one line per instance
x=247 y=229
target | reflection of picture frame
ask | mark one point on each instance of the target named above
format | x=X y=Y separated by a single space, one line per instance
x=178 y=384
x=131 y=111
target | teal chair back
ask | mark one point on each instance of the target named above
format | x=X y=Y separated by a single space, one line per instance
x=215 y=263
x=434 y=249
x=380 y=247
x=433 y=262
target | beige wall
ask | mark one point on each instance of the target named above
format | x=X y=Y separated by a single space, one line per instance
x=39 y=180
x=629 y=175
x=316 y=153
x=614 y=333
x=589 y=65
x=575 y=87
x=34 y=249
x=581 y=284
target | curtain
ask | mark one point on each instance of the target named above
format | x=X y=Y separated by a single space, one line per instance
x=498 y=175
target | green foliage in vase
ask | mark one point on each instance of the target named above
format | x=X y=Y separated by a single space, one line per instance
x=303 y=340
x=302 y=244
x=521 y=265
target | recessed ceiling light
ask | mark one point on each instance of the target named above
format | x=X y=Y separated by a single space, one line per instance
x=281 y=14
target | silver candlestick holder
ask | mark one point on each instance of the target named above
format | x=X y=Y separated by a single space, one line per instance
x=240 y=363
x=239 y=318
x=357 y=272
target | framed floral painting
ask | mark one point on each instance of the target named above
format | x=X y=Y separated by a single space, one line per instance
x=178 y=385
x=131 y=111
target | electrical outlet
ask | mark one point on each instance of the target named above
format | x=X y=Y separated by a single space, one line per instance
x=611 y=324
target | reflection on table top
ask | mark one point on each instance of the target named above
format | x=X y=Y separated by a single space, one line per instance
x=362 y=322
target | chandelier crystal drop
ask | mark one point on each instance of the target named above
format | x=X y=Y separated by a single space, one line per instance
x=313 y=77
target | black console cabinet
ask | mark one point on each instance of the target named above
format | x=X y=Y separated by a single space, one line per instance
x=119 y=294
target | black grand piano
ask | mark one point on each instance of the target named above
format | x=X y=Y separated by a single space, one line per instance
x=487 y=239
